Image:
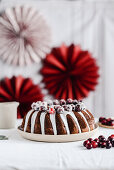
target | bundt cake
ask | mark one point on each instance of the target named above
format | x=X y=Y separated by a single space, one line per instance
x=58 y=118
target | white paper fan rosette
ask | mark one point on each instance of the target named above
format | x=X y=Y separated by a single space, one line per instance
x=24 y=36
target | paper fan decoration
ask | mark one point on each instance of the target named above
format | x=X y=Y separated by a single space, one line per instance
x=22 y=90
x=69 y=72
x=24 y=36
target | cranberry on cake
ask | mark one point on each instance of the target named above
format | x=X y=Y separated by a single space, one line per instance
x=58 y=118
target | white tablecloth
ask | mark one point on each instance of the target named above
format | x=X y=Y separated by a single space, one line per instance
x=21 y=154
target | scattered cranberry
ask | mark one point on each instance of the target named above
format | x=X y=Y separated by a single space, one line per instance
x=108 y=145
x=96 y=140
x=112 y=136
x=99 y=142
x=101 y=136
x=85 y=143
x=90 y=140
x=102 y=139
x=89 y=146
x=94 y=144
x=112 y=143
x=103 y=144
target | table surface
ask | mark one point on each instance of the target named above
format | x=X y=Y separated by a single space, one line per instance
x=22 y=154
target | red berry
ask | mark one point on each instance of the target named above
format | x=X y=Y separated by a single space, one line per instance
x=90 y=140
x=102 y=139
x=85 y=143
x=51 y=110
x=112 y=123
x=101 y=136
x=89 y=146
x=112 y=136
x=94 y=144
x=109 y=119
x=108 y=145
x=103 y=144
x=101 y=119
x=96 y=140
x=104 y=122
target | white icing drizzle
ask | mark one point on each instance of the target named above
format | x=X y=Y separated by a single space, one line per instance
x=87 y=113
x=27 y=118
x=84 y=119
x=76 y=121
x=33 y=118
x=64 y=119
x=42 y=120
x=53 y=122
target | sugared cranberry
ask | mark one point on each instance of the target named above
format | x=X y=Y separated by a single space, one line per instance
x=69 y=101
x=77 y=108
x=56 y=102
x=43 y=108
x=68 y=107
x=101 y=119
x=85 y=143
x=75 y=102
x=96 y=140
x=103 y=144
x=73 y=107
x=94 y=144
x=62 y=102
x=90 y=140
x=89 y=146
x=60 y=110
x=80 y=101
x=108 y=144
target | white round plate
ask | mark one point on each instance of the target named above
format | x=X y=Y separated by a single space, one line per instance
x=58 y=138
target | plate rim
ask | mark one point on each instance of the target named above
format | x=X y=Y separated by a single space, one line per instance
x=58 y=138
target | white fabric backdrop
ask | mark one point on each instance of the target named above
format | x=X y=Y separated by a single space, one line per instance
x=88 y=23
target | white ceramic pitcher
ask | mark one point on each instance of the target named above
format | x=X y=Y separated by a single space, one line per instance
x=8 y=114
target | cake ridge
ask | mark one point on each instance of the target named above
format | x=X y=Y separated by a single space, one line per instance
x=81 y=119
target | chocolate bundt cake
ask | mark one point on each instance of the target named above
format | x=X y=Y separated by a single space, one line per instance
x=58 y=118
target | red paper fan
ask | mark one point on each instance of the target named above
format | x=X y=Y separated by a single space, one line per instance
x=22 y=90
x=69 y=72
x=24 y=36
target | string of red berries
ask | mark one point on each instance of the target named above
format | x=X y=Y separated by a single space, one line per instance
x=100 y=142
x=106 y=121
